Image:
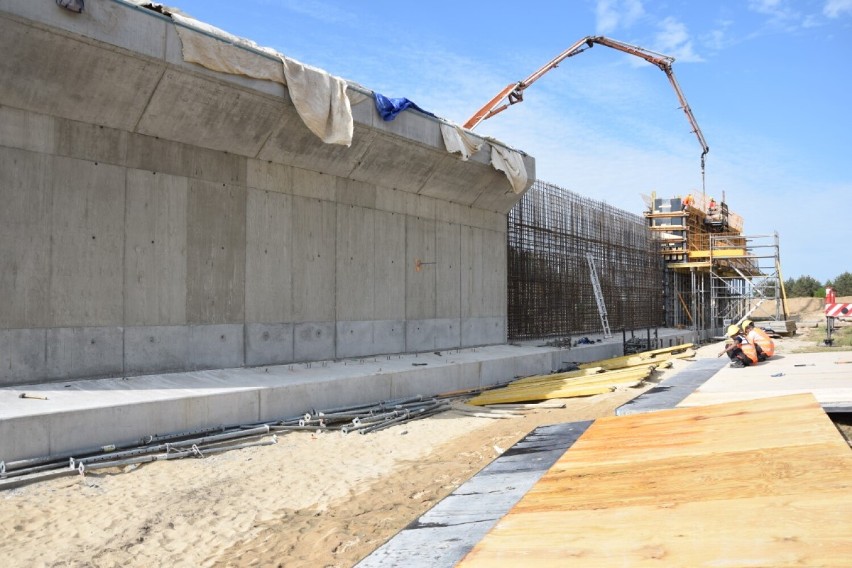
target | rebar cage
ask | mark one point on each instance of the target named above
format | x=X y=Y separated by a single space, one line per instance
x=550 y=233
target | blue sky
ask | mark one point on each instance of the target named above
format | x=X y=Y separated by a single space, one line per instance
x=768 y=81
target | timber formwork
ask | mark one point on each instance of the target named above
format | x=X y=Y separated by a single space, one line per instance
x=551 y=233
x=715 y=275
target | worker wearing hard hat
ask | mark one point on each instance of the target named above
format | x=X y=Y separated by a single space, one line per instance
x=763 y=344
x=740 y=351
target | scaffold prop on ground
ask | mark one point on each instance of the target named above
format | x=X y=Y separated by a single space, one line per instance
x=361 y=418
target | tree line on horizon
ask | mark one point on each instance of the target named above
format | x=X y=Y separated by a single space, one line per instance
x=810 y=287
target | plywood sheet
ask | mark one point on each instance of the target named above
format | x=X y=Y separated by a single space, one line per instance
x=754 y=483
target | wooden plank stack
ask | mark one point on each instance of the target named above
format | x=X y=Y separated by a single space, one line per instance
x=593 y=378
x=754 y=483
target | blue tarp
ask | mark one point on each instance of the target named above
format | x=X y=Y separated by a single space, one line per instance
x=389 y=108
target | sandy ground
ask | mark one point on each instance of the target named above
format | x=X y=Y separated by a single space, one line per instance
x=311 y=500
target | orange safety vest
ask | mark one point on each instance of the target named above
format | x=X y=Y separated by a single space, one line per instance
x=759 y=337
x=748 y=349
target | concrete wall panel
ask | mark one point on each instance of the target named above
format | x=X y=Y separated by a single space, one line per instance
x=150 y=153
x=354 y=338
x=494 y=274
x=24 y=238
x=473 y=268
x=27 y=130
x=313 y=265
x=433 y=334
x=413 y=125
x=269 y=176
x=155 y=349
x=363 y=338
x=390 y=266
x=360 y=194
x=292 y=143
x=314 y=185
x=355 y=263
x=483 y=331
x=207 y=113
x=391 y=164
x=313 y=341
x=85 y=141
x=447 y=333
x=23 y=355
x=155 y=249
x=87 y=244
x=420 y=284
x=84 y=352
x=453 y=173
x=215 y=253
x=447 y=270
x=96 y=85
x=269 y=343
x=269 y=286
x=388 y=336
x=216 y=346
x=134 y=29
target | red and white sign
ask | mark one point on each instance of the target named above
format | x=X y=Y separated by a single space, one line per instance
x=838 y=310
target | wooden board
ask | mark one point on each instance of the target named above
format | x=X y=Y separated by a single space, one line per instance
x=753 y=483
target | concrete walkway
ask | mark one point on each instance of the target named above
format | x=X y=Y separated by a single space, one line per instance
x=91 y=413
x=827 y=375
x=84 y=414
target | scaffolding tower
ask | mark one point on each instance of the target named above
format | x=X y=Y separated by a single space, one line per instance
x=715 y=275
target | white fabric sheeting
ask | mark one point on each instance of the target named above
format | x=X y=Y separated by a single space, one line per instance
x=457 y=140
x=511 y=163
x=321 y=101
x=225 y=52
x=319 y=98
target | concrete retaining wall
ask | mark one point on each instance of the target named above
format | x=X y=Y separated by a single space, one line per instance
x=158 y=216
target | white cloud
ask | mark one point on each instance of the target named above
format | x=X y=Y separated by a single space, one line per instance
x=783 y=16
x=614 y=14
x=673 y=40
x=836 y=8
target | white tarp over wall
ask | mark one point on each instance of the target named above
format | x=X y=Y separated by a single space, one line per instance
x=323 y=101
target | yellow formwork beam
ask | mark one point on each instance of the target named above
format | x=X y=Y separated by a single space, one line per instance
x=543 y=395
x=564 y=388
x=654 y=355
x=677 y=265
x=719 y=253
x=599 y=375
x=584 y=371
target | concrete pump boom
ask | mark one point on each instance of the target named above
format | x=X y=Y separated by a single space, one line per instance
x=514 y=92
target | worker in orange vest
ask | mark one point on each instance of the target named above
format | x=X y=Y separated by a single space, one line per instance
x=763 y=343
x=740 y=351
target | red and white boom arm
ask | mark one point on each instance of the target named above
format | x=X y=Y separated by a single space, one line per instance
x=514 y=92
